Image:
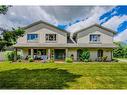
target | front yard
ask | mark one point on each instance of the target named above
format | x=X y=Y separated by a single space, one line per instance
x=63 y=76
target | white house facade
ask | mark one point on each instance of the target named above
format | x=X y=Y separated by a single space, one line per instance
x=42 y=38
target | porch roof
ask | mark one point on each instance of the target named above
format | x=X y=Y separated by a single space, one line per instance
x=69 y=45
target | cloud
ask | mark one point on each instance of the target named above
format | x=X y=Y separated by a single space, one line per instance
x=93 y=18
x=121 y=36
x=116 y=11
x=122 y=26
x=24 y=15
x=65 y=14
x=116 y=19
x=114 y=22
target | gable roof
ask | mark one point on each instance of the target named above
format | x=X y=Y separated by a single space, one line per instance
x=74 y=34
x=92 y=26
x=39 y=22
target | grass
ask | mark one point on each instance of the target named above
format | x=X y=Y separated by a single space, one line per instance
x=63 y=76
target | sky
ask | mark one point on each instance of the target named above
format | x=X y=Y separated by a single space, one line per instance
x=70 y=18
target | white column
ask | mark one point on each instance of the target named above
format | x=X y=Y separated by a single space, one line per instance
x=66 y=52
x=75 y=55
x=111 y=54
x=15 y=56
x=32 y=53
x=49 y=54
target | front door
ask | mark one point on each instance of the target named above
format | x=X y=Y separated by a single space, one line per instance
x=59 y=54
x=100 y=53
x=79 y=52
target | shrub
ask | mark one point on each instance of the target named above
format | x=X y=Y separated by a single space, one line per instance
x=69 y=60
x=51 y=61
x=11 y=56
x=104 y=58
x=19 y=60
x=90 y=60
x=86 y=60
x=31 y=60
x=19 y=57
x=99 y=59
x=85 y=55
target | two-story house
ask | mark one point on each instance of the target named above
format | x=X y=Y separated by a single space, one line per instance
x=42 y=38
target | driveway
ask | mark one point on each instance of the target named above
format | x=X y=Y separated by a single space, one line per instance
x=122 y=60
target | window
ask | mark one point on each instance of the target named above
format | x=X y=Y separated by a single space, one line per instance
x=32 y=36
x=50 y=37
x=94 y=38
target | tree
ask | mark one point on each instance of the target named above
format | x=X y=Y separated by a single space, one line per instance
x=120 y=51
x=125 y=52
x=11 y=36
x=3 y=9
x=85 y=55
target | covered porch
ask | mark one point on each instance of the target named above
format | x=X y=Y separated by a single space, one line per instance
x=97 y=54
x=58 y=54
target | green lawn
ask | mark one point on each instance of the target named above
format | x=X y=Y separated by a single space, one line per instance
x=63 y=76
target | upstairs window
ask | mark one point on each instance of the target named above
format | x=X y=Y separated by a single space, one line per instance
x=95 y=38
x=50 y=37
x=32 y=36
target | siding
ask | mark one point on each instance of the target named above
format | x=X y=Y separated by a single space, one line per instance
x=106 y=36
x=41 y=33
x=108 y=53
x=74 y=52
x=93 y=54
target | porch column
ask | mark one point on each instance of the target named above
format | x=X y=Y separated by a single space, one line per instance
x=32 y=53
x=66 y=52
x=49 y=53
x=15 y=57
x=111 y=54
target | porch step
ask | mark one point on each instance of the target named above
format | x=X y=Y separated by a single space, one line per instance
x=60 y=61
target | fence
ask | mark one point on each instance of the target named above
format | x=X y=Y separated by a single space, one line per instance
x=2 y=56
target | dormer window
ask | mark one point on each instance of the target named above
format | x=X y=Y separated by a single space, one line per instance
x=31 y=37
x=50 y=37
x=95 y=38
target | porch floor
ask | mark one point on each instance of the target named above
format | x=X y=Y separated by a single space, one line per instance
x=40 y=61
